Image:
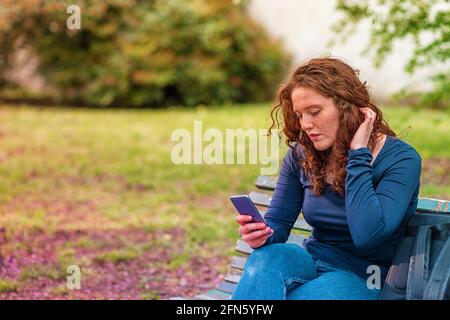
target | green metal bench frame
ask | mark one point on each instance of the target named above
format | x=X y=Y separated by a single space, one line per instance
x=301 y=229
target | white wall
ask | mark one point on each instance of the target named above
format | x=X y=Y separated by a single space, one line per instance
x=304 y=26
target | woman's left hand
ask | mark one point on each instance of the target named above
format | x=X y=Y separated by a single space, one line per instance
x=362 y=135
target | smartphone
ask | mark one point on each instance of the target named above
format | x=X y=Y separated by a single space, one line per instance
x=244 y=205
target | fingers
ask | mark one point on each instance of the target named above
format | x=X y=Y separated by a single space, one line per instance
x=362 y=135
x=369 y=118
x=256 y=235
x=243 y=219
x=256 y=243
x=250 y=227
x=369 y=115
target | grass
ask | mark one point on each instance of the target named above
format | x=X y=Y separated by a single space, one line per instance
x=101 y=169
x=427 y=130
x=150 y=295
x=37 y=271
x=116 y=256
x=119 y=161
x=8 y=286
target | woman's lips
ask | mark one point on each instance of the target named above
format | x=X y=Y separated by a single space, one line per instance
x=315 y=137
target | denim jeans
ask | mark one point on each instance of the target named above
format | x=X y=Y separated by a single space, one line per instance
x=287 y=271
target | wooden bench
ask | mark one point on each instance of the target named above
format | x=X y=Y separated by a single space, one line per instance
x=301 y=230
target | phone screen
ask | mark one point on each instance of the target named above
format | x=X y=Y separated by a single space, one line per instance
x=244 y=205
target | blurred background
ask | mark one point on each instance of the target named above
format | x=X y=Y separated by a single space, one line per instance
x=90 y=93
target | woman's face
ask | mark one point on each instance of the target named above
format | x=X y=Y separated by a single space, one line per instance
x=318 y=116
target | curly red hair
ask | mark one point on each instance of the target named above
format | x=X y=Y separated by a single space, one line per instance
x=333 y=79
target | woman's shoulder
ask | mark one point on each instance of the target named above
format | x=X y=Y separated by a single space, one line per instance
x=398 y=149
x=296 y=152
x=294 y=156
x=402 y=146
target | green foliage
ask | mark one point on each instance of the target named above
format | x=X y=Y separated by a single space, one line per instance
x=426 y=22
x=144 y=53
x=37 y=271
x=8 y=286
x=116 y=256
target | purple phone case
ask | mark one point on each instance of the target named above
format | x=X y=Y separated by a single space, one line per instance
x=245 y=205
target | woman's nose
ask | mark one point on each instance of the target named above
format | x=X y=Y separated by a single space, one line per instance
x=306 y=124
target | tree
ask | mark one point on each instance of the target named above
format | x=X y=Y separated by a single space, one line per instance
x=426 y=22
x=145 y=52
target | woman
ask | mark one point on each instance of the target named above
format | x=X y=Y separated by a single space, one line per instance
x=355 y=182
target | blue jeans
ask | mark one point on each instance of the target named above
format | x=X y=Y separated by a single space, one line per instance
x=287 y=271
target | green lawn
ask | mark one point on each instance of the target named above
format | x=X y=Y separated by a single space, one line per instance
x=83 y=169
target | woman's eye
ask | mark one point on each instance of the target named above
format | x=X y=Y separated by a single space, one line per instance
x=315 y=113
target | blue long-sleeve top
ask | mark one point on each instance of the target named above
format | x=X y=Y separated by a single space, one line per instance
x=362 y=228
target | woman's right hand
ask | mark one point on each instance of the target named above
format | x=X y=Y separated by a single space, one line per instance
x=255 y=234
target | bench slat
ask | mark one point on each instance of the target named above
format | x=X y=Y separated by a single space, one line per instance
x=214 y=295
x=238 y=262
x=243 y=247
x=433 y=205
x=301 y=224
x=219 y=294
x=205 y=297
x=259 y=198
x=226 y=287
x=233 y=277
x=266 y=182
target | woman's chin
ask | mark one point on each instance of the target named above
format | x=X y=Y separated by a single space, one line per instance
x=322 y=145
